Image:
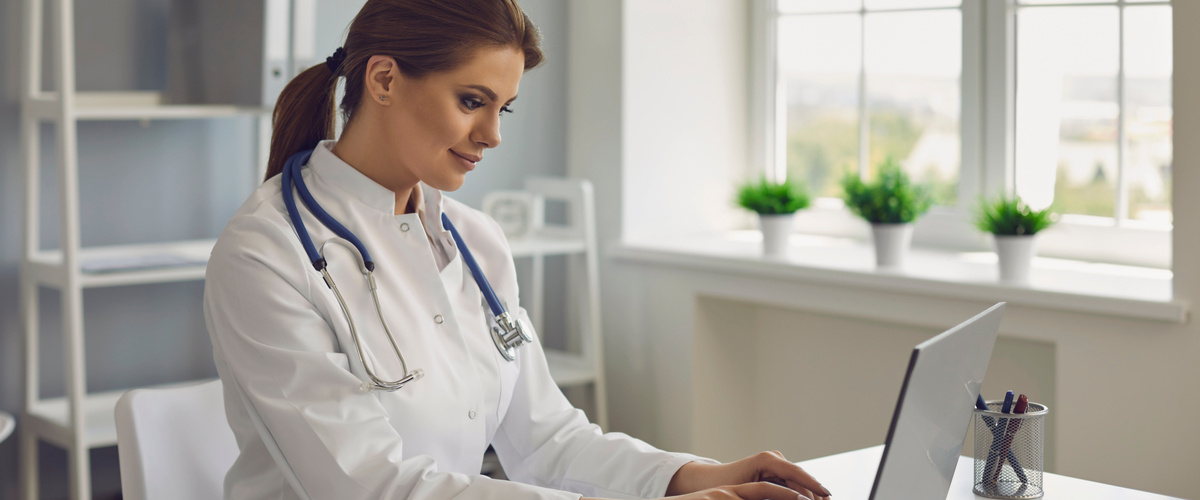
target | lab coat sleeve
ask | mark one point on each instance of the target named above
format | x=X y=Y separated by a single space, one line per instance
x=276 y=347
x=544 y=440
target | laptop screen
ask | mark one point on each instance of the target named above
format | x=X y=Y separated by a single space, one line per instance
x=934 y=410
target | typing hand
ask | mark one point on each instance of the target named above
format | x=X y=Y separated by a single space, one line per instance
x=748 y=491
x=756 y=473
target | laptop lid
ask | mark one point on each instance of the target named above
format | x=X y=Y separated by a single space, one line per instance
x=934 y=410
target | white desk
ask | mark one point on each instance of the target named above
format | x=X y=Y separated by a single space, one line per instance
x=850 y=475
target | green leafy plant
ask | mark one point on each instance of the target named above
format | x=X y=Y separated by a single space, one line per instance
x=1011 y=216
x=891 y=198
x=770 y=198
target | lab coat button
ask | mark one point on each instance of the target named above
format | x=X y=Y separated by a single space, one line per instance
x=404 y=226
x=471 y=414
x=438 y=319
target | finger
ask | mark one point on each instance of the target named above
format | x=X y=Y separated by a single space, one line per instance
x=763 y=490
x=795 y=476
x=816 y=492
x=811 y=494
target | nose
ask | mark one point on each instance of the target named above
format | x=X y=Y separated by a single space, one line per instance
x=487 y=132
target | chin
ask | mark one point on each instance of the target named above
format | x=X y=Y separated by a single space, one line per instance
x=448 y=185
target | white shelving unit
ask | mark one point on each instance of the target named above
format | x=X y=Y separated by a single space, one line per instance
x=80 y=420
x=576 y=239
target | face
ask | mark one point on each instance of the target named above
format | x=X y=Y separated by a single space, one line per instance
x=438 y=127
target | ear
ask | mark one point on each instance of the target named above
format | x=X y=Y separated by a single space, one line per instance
x=382 y=73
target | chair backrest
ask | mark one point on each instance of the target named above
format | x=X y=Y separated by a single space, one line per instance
x=174 y=442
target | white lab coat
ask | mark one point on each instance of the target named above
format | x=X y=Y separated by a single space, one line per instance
x=292 y=378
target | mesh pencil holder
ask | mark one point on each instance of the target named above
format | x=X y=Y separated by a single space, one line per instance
x=1009 y=452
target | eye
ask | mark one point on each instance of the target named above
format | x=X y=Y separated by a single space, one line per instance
x=506 y=109
x=472 y=102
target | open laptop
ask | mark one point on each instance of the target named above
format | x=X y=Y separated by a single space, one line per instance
x=934 y=410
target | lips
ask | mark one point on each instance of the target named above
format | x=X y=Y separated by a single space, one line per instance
x=469 y=157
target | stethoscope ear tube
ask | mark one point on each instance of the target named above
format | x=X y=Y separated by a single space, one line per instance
x=289 y=201
x=484 y=286
x=319 y=212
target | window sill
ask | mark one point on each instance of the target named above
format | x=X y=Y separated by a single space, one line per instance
x=1056 y=284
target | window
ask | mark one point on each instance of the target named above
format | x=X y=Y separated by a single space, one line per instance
x=1093 y=114
x=853 y=94
x=1062 y=101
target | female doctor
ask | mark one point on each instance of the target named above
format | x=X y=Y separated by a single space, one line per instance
x=366 y=327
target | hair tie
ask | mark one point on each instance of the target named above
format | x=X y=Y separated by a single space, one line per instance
x=335 y=61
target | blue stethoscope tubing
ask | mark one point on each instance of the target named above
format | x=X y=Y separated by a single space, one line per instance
x=507 y=332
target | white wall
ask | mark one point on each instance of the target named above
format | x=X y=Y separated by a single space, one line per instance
x=1132 y=382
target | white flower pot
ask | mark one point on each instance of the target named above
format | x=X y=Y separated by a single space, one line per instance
x=775 y=230
x=891 y=244
x=1016 y=255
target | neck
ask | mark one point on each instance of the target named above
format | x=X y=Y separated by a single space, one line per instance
x=357 y=146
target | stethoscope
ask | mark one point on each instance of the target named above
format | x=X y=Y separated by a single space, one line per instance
x=507 y=331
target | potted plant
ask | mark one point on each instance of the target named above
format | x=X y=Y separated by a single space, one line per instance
x=891 y=203
x=775 y=204
x=1014 y=227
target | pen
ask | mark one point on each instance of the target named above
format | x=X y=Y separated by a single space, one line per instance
x=994 y=452
x=994 y=459
x=991 y=423
x=979 y=404
x=1013 y=426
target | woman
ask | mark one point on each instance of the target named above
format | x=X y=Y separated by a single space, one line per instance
x=427 y=81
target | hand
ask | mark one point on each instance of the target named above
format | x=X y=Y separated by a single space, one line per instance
x=748 y=491
x=765 y=467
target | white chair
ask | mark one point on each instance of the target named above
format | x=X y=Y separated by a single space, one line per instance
x=7 y=424
x=174 y=443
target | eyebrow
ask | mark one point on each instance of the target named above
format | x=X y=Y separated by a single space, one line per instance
x=489 y=93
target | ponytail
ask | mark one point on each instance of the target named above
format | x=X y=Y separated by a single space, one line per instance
x=303 y=115
x=422 y=36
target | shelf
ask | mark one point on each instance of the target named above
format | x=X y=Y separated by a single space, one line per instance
x=546 y=245
x=46 y=267
x=569 y=369
x=52 y=420
x=134 y=106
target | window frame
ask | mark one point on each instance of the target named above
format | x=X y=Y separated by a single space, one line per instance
x=987 y=118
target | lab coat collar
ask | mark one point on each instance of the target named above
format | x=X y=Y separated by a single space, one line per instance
x=332 y=169
x=430 y=201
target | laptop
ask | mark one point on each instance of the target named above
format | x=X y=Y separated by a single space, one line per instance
x=934 y=410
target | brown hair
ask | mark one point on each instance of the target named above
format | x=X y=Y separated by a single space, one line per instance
x=423 y=36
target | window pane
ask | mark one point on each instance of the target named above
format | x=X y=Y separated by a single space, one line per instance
x=911 y=4
x=811 y=6
x=819 y=65
x=1066 y=132
x=1148 y=112
x=914 y=61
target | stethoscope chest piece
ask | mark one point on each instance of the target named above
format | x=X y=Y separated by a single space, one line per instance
x=508 y=334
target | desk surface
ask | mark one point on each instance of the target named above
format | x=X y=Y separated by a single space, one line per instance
x=850 y=475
